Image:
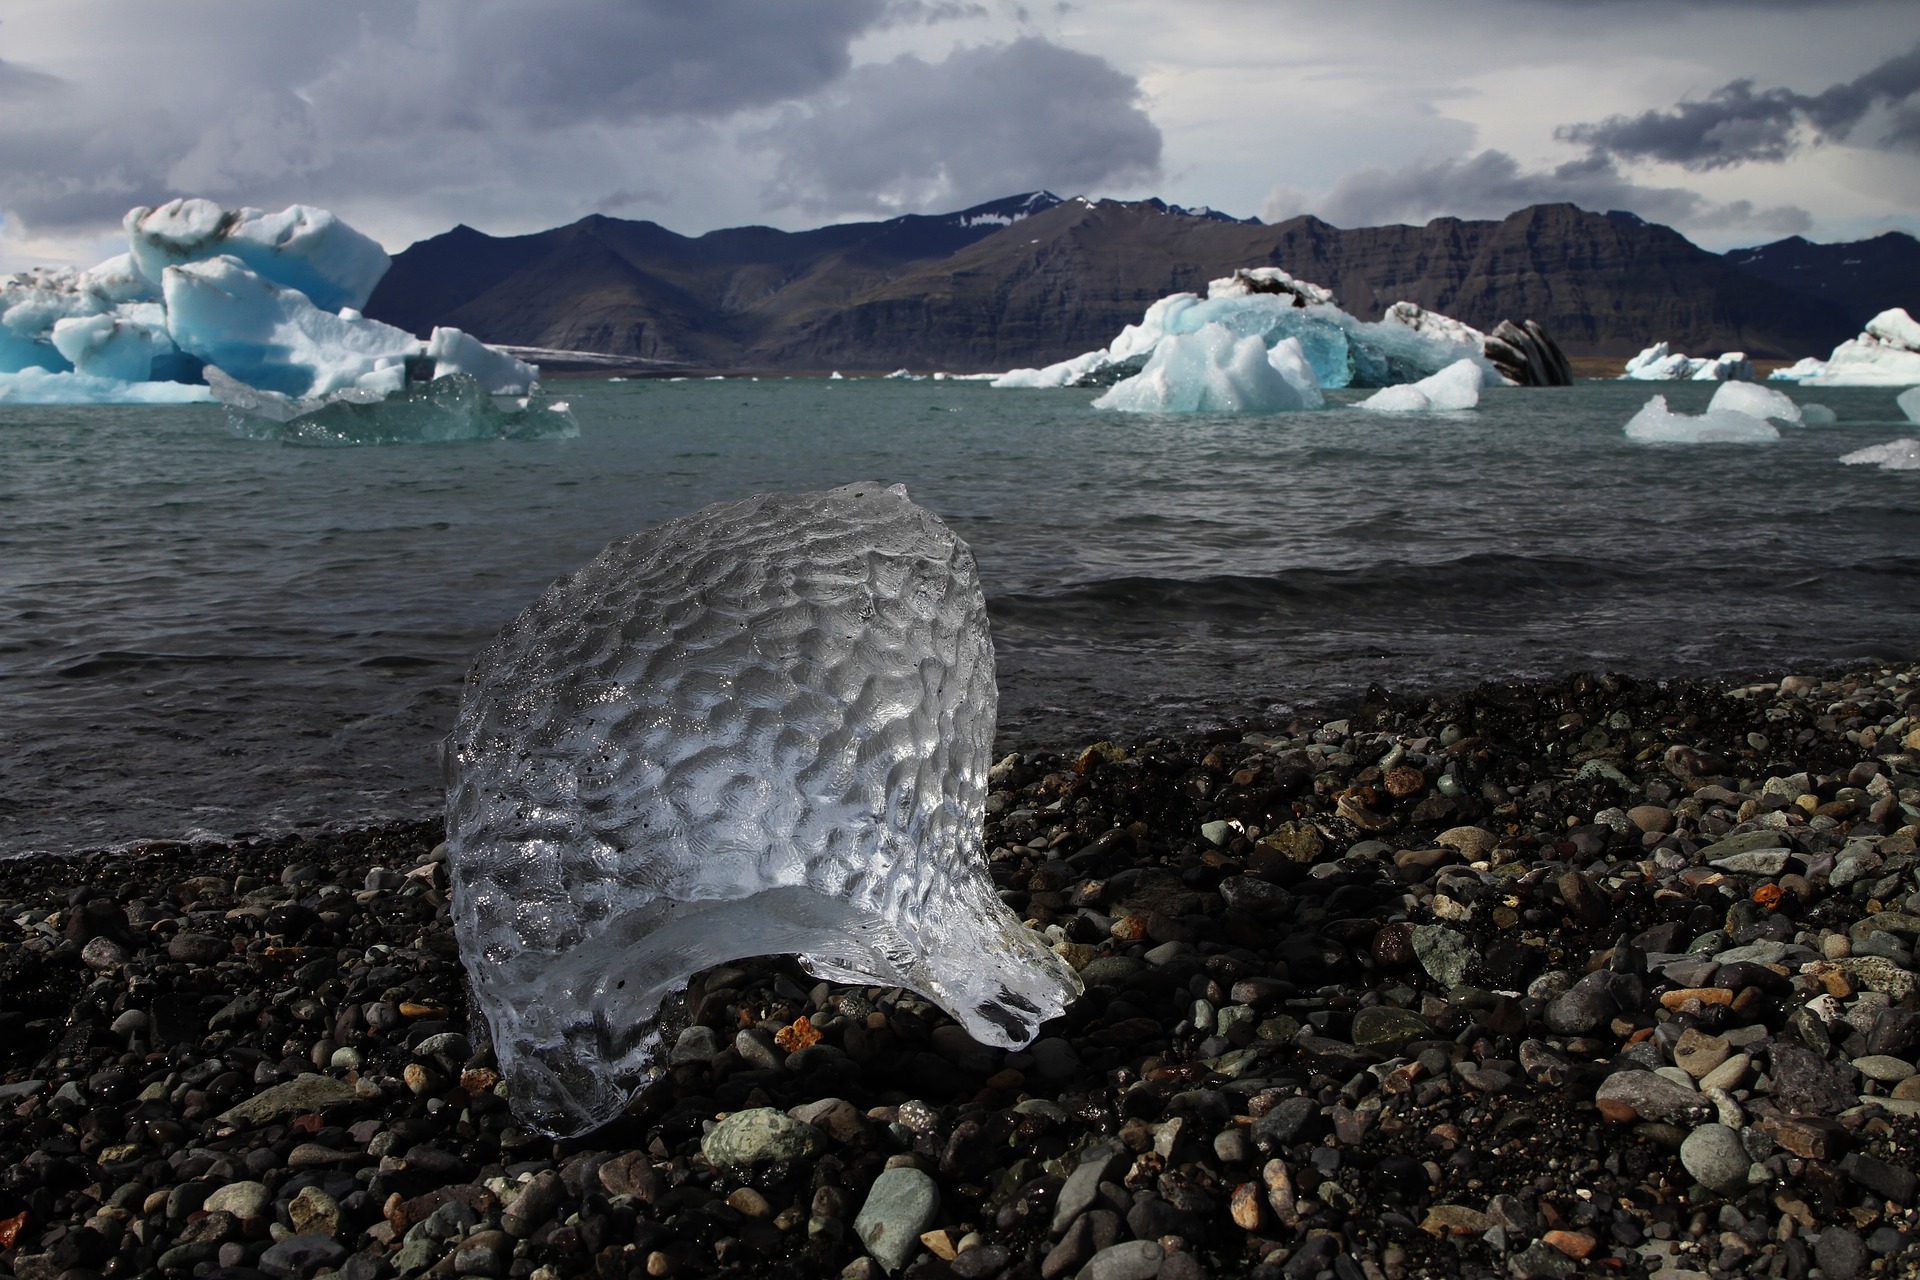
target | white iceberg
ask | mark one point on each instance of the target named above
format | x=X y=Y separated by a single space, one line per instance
x=270 y=299
x=1658 y=363
x=1755 y=401
x=1896 y=455
x=1268 y=304
x=1215 y=371
x=299 y=248
x=48 y=386
x=763 y=728
x=1455 y=387
x=1657 y=424
x=1886 y=354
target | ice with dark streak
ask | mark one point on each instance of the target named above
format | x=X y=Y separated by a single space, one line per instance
x=762 y=728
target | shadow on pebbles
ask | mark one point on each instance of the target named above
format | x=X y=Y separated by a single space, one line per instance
x=1589 y=978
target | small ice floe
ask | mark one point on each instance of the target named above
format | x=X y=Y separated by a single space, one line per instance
x=1216 y=371
x=1657 y=424
x=1455 y=387
x=1658 y=363
x=1886 y=354
x=1755 y=401
x=1895 y=455
x=1909 y=402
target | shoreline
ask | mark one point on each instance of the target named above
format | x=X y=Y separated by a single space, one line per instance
x=1590 y=976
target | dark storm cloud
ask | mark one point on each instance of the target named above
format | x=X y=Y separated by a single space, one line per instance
x=1492 y=184
x=988 y=121
x=1737 y=124
x=272 y=102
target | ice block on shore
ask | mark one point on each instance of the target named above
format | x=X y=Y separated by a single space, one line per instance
x=762 y=728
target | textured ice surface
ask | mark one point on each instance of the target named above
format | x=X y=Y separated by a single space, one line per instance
x=1269 y=304
x=1455 y=387
x=299 y=247
x=1657 y=424
x=762 y=728
x=1659 y=364
x=1886 y=354
x=1754 y=400
x=122 y=344
x=1214 y=371
x=1896 y=455
x=447 y=409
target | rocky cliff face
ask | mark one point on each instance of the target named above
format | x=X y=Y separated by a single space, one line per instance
x=1034 y=279
x=1863 y=277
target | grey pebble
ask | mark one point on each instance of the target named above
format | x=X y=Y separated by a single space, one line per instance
x=900 y=1205
x=1714 y=1154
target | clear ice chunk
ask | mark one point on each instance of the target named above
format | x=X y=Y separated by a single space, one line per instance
x=386 y=409
x=1895 y=455
x=762 y=728
x=1755 y=401
x=1657 y=424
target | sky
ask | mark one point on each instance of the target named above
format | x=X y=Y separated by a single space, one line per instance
x=1735 y=121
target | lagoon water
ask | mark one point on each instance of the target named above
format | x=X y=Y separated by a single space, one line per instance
x=201 y=634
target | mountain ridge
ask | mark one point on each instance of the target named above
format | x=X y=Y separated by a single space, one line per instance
x=1032 y=278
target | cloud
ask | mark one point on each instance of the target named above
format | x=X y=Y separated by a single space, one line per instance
x=358 y=98
x=1735 y=124
x=989 y=120
x=1491 y=184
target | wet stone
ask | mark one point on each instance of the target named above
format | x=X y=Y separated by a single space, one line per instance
x=901 y=1204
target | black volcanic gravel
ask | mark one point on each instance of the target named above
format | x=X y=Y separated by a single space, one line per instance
x=1589 y=978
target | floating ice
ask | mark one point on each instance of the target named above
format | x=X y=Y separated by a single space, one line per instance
x=1886 y=354
x=1896 y=455
x=1817 y=415
x=1657 y=424
x=299 y=248
x=273 y=337
x=48 y=386
x=455 y=352
x=1213 y=371
x=1269 y=304
x=1909 y=402
x=1660 y=364
x=761 y=728
x=269 y=298
x=454 y=407
x=1455 y=387
x=1755 y=401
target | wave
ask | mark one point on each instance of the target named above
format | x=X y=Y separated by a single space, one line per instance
x=1477 y=581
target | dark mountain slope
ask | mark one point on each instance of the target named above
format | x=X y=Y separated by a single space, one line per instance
x=1863 y=277
x=1032 y=279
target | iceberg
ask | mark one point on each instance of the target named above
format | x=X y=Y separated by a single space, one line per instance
x=1817 y=415
x=1659 y=364
x=762 y=728
x=1755 y=401
x=452 y=407
x=1213 y=371
x=1886 y=354
x=1271 y=305
x=49 y=386
x=1455 y=387
x=298 y=248
x=1896 y=455
x=270 y=299
x=1657 y=424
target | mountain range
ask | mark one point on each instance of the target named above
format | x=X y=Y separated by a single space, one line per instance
x=1034 y=278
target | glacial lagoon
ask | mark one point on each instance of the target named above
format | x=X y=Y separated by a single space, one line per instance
x=201 y=633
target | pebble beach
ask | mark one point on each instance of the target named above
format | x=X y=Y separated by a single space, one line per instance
x=1594 y=977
